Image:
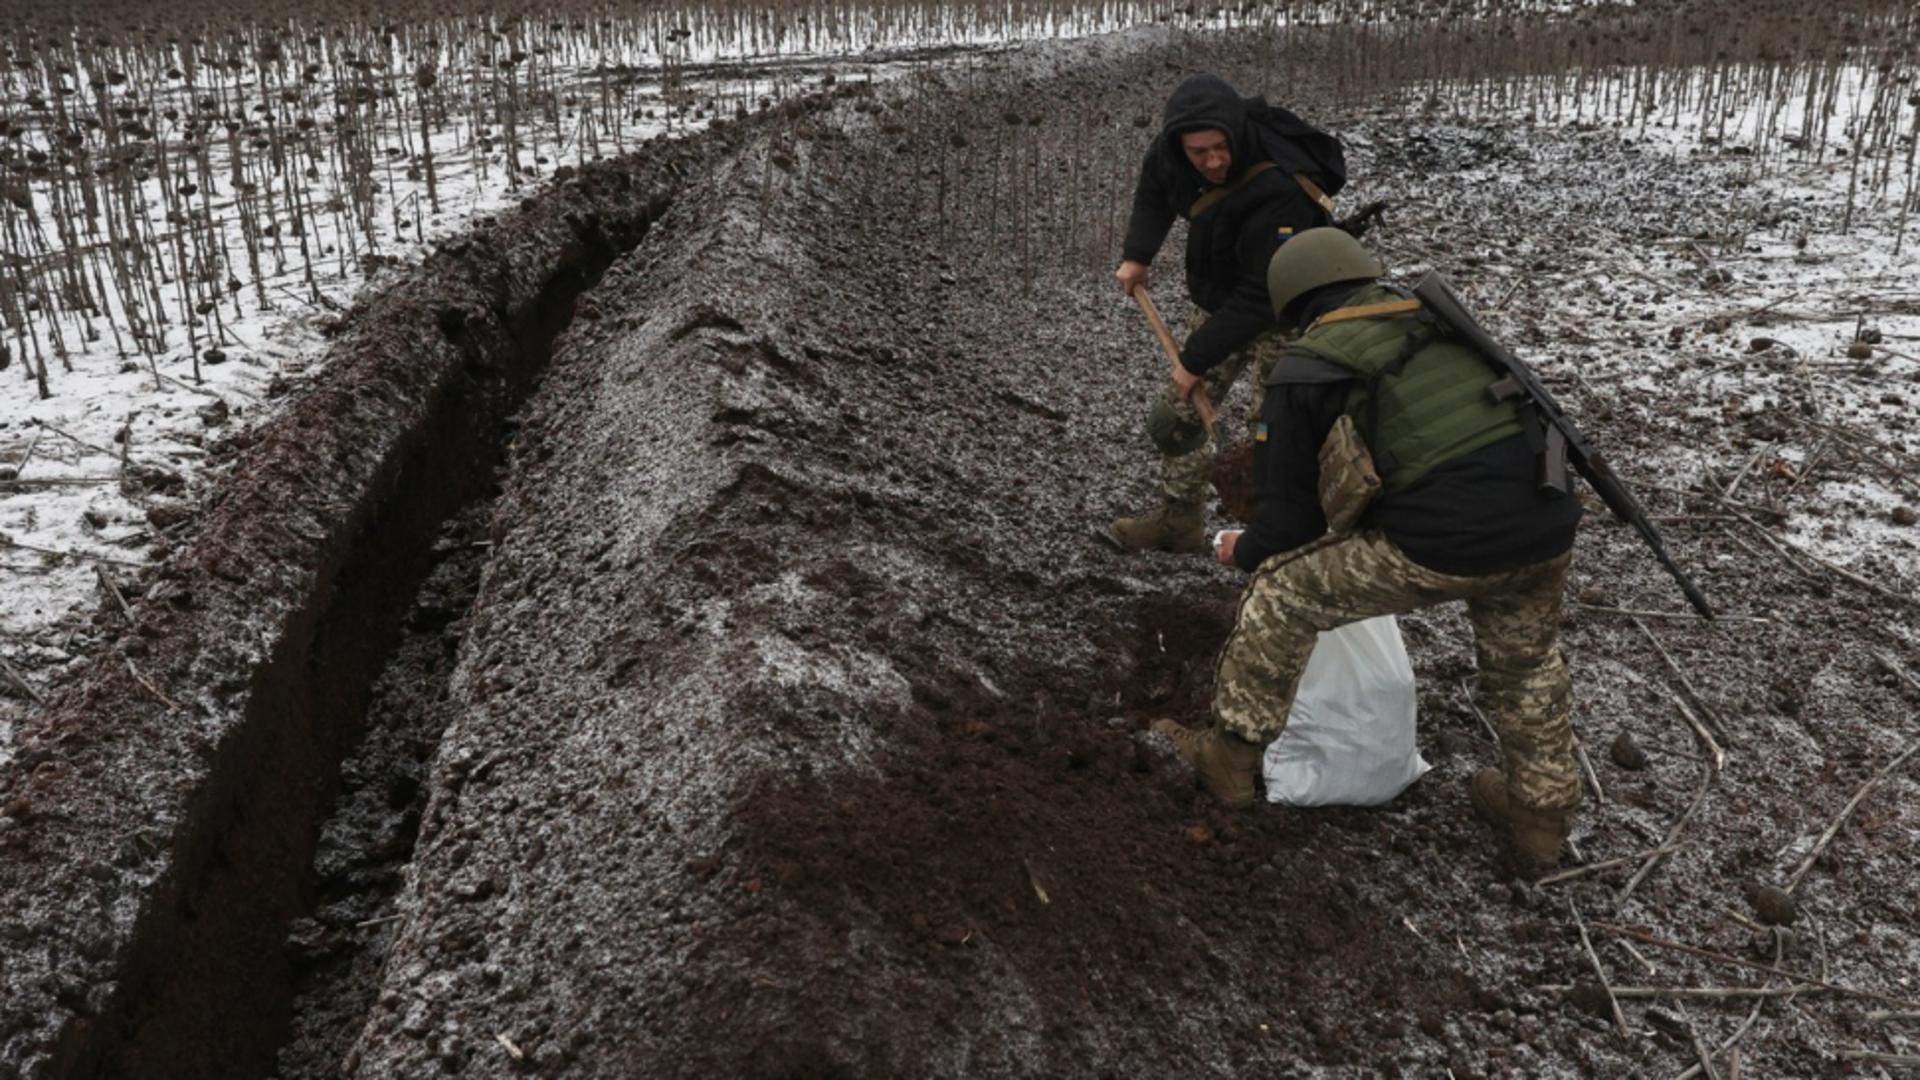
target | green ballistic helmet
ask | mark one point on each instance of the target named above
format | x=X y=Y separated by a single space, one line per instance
x=1314 y=258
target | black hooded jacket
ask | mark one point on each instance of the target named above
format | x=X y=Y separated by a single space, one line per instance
x=1230 y=243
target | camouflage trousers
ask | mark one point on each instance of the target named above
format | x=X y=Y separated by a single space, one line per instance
x=1347 y=577
x=1184 y=477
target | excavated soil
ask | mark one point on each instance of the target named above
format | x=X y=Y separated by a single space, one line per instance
x=796 y=725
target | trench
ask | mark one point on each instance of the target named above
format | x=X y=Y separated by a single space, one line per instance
x=214 y=983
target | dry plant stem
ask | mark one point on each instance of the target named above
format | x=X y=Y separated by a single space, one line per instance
x=1686 y=684
x=1809 y=465
x=1779 y=549
x=1586 y=767
x=1690 y=616
x=1904 y=1061
x=58 y=481
x=1738 y=314
x=1571 y=873
x=1700 y=732
x=1871 y=586
x=1700 y=1052
x=189 y=387
x=1730 y=1047
x=1741 y=473
x=6 y=541
x=20 y=681
x=1723 y=958
x=1884 y=1016
x=1701 y=993
x=20 y=467
x=1729 y=504
x=74 y=439
x=1707 y=777
x=150 y=688
x=1898 y=672
x=1637 y=957
x=113 y=590
x=1474 y=708
x=1853 y=436
x=1820 y=938
x=1600 y=972
x=1832 y=830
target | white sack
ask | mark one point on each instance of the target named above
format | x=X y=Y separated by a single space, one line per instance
x=1349 y=739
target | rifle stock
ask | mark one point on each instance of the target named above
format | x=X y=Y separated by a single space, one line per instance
x=1439 y=299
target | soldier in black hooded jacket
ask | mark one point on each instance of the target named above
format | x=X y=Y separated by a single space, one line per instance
x=1225 y=164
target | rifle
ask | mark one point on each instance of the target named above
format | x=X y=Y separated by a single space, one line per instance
x=1561 y=441
x=1357 y=223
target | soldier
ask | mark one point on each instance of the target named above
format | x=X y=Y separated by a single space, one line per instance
x=1245 y=175
x=1455 y=513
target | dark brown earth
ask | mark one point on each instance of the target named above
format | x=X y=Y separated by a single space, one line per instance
x=796 y=725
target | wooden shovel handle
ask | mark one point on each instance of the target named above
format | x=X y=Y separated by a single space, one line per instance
x=1201 y=402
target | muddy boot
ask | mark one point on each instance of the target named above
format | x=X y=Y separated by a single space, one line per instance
x=1537 y=834
x=1229 y=766
x=1174 y=527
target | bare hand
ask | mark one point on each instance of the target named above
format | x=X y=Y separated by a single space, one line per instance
x=1223 y=546
x=1185 y=381
x=1131 y=275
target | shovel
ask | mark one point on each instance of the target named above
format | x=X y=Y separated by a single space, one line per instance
x=1202 y=404
x=1232 y=472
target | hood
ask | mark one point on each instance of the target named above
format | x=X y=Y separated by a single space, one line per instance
x=1206 y=101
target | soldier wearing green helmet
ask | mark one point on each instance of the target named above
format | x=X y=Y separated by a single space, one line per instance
x=1388 y=478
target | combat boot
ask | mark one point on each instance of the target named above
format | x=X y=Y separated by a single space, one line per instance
x=1537 y=834
x=1176 y=527
x=1229 y=766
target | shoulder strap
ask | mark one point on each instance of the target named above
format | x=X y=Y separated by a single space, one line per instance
x=1313 y=192
x=1380 y=310
x=1206 y=202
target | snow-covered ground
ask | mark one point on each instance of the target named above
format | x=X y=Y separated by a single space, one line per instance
x=1805 y=273
x=93 y=476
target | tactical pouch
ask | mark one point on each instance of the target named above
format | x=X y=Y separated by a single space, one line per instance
x=1348 y=481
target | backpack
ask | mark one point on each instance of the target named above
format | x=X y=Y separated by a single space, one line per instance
x=1297 y=146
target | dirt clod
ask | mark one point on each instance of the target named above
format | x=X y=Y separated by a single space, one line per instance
x=1626 y=752
x=1590 y=997
x=1775 y=906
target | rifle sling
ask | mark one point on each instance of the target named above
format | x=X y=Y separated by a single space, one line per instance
x=1207 y=201
x=1313 y=191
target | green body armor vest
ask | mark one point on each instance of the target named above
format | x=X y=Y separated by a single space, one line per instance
x=1420 y=399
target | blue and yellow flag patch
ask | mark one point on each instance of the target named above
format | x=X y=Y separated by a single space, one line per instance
x=1260 y=432
x=1285 y=233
